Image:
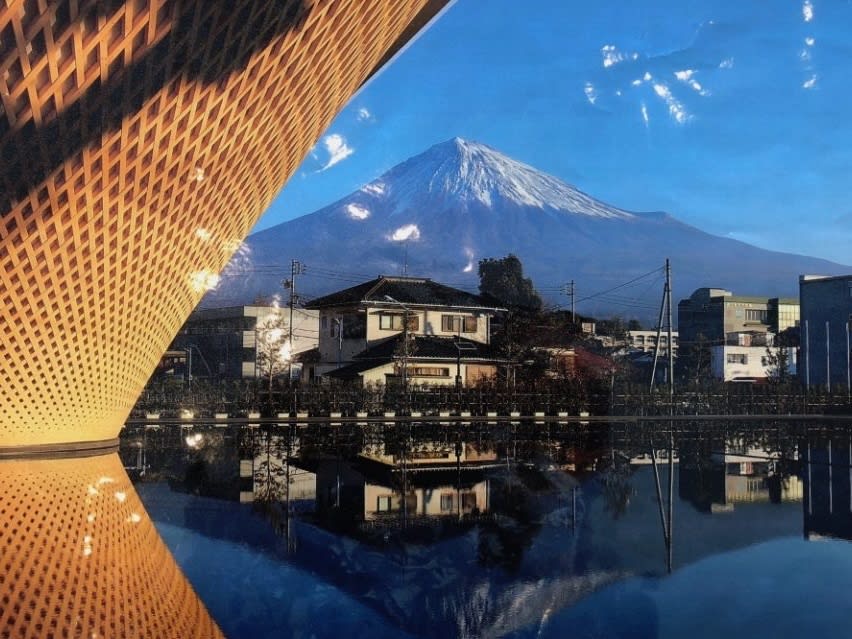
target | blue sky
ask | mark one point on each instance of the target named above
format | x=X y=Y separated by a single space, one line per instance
x=731 y=116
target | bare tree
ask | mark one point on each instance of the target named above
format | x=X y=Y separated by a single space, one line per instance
x=274 y=350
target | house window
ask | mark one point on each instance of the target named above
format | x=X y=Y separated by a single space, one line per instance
x=737 y=358
x=458 y=323
x=383 y=503
x=430 y=371
x=395 y=322
x=447 y=503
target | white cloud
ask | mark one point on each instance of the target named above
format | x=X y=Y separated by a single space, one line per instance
x=406 y=232
x=727 y=63
x=810 y=83
x=612 y=56
x=687 y=77
x=645 y=115
x=809 y=41
x=676 y=108
x=469 y=266
x=364 y=115
x=357 y=212
x=337 y=148
x=807 y=11
x=591 y=94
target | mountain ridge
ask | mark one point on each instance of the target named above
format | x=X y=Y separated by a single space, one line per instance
x=437 y=213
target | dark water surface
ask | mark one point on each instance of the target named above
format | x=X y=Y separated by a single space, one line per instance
x=507 y=529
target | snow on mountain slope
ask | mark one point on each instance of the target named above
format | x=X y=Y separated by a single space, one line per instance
x=438 y=213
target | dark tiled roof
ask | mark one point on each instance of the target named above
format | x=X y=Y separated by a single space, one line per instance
x=405 y=290
x=430 y=347
x=425 y=347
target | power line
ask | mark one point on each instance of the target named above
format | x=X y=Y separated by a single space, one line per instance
x=615 y=288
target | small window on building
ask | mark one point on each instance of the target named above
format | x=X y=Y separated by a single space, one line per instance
x=394 y=322
x=737 y=358
x=430 y=371
x=469 y=324
x=447 y=503
x=450 y=323
x=383 y=503
x=756 y=315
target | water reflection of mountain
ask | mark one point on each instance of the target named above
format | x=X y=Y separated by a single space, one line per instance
x=482 y=532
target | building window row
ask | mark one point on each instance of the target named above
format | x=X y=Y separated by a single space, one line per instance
x=737 y=358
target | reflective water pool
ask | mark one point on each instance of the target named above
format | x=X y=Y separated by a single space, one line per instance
x=502 y=529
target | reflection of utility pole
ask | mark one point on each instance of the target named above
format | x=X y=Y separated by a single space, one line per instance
x=296 y=268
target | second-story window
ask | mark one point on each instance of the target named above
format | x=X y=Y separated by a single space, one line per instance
x=395 y=322
x=458 y=323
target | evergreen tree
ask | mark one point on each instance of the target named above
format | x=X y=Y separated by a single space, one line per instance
x=503 y=280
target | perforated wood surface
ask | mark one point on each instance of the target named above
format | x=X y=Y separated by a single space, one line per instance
x=139 y=142
x=79 y=557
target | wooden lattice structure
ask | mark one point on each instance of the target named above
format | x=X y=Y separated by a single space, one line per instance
x=79 y=557
x=139 y=142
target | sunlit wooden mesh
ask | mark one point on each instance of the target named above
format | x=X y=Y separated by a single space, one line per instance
x=139 y=142
x=79 y=557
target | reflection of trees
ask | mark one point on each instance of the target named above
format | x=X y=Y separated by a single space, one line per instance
x=504 y=539
x=516 y=500
x=614 y=476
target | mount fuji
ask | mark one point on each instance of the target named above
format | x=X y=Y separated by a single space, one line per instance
x=436 y=214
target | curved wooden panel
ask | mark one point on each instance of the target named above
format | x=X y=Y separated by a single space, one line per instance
x=139 y=143
x=79 y=557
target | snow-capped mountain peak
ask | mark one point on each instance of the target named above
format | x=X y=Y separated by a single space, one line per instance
x=473 y=173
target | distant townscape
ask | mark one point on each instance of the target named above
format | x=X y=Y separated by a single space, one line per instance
x=404 y=333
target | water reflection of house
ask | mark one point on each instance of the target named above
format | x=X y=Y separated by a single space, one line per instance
x=267 y=471
x=737 y=474
x=827 y=475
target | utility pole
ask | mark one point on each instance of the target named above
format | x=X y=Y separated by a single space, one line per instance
x=671 y=349
x=571 y=294
x=665 y=304
x=296 y=268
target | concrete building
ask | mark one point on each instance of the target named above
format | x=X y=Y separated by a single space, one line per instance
x=646 y=341
x=709 y=314
x=734 y=361
x=362 y=333
x=227 y=343
x=826 y=315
